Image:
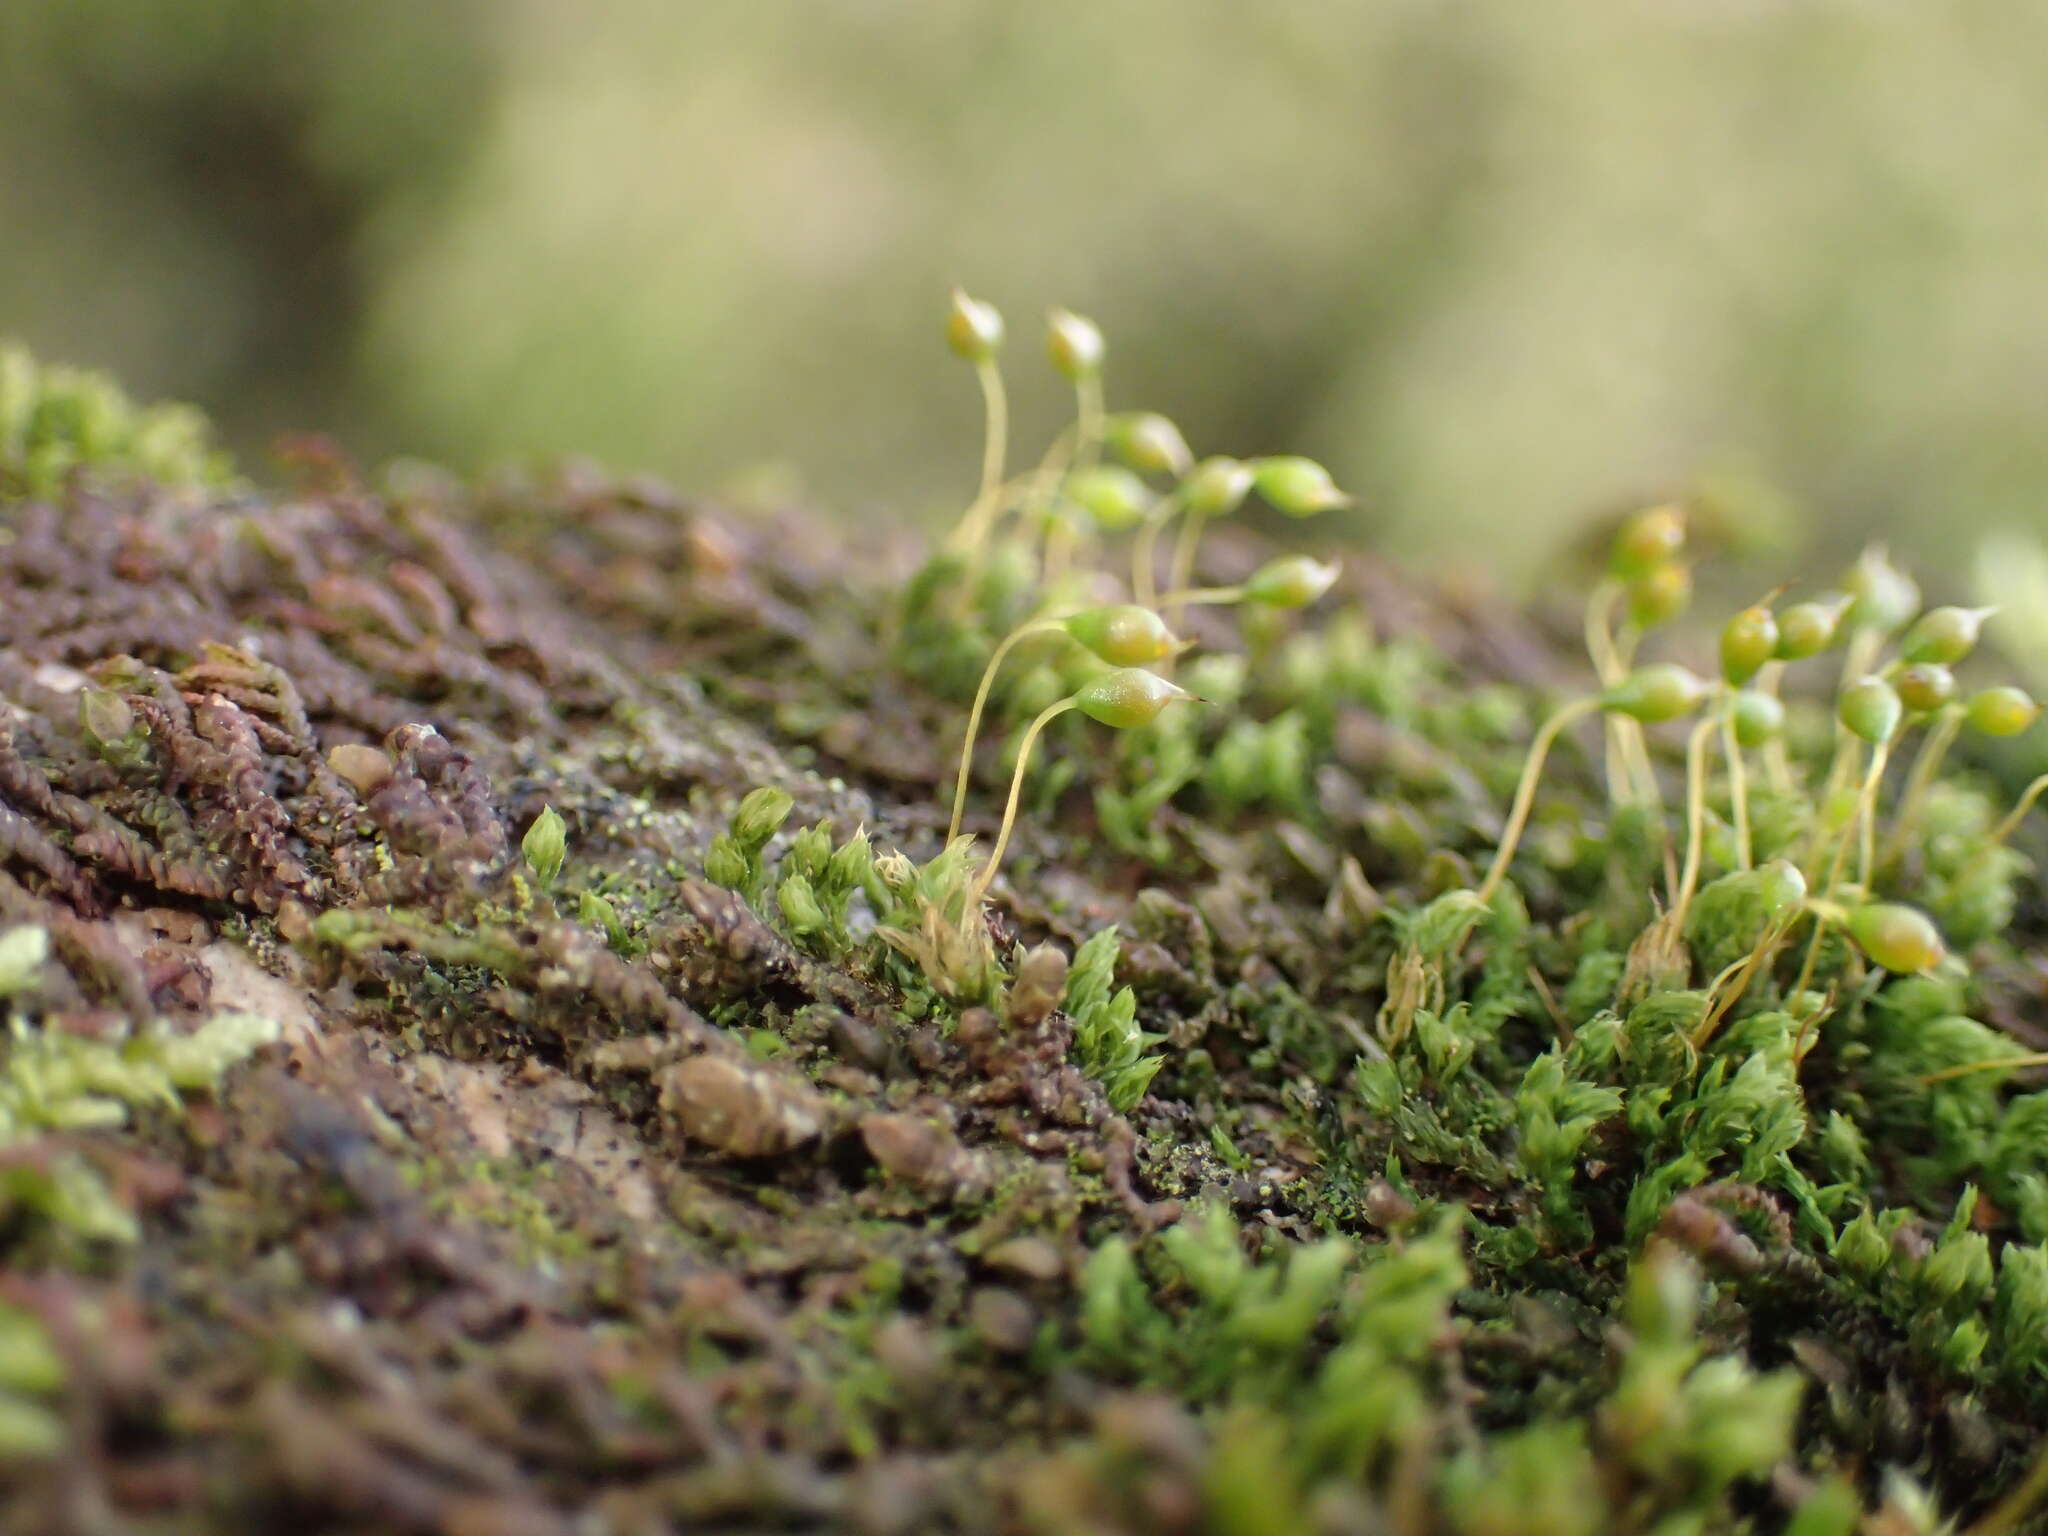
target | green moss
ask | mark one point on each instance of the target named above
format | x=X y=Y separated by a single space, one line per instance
x=1316 y=1191
x=57 y=421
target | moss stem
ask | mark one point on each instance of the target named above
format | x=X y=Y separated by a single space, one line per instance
x=1024 y=745
x=995 y=496
x=1635 y=742
x=1949 y=1074
x=1181 y=571
x=1824 y=908
x=1731 y=985
x=1202 y=597
x=2018 y=814
x=988 y=677
x=1926 y=764
x=1058 y=558
x=1607 y=668
x=1866 y=814
x=995 y=445
x=1525 y=792
x=1144 y=548
x=1738 y=786
x=1777 y=759
x=1088 y=419
x=1696 y=746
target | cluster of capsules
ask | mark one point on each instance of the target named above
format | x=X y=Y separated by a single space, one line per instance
x=1106 y=476
x=1896 y=678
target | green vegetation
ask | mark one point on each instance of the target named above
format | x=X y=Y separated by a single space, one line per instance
x=1416 y=1089
x=54 y=420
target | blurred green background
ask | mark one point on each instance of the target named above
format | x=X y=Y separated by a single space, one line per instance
x=1507 y=267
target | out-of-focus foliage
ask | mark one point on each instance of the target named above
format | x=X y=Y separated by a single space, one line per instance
x=1502 y=266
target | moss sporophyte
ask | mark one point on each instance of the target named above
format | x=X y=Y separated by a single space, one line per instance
x=1433 y=1128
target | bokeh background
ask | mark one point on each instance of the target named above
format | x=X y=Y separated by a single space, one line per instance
x=1507 y=267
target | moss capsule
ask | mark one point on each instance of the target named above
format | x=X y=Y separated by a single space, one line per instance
x=1808 y=628
x=1217 y=486
x=1759 y=718
x=1944 y=636
x=1148 y=443
x=1871 y=709
x=1896 y=937
x=1648 y=539
x=1292 y=581
x=1656 y=693
x=1127 y=697
x=974 y=328
x=1074 y=343
x=1780 y=886
x=1748 y=641
x=1924 y=687
x=1883 y=597
x=1111 y=495
x=2002 y=711
x=1124 y=634
x=1297 y=486
x=1659 y=595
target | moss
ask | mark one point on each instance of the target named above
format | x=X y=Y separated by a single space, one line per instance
x=56 y=422
x=674 y=1139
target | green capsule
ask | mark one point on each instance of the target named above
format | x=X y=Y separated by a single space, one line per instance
x=1127 y=697
x=1217 y=486
x=1148 y=443
x=1780 y=886
x=1924 y=687
x=1114 y=497
x=1292 y=581
x=1074 y=343
x=1759 y=717
x=1884 y=597
x=1871 y=709
x=1656 y=693
x=1297 y=486
x=1124 y=634
x=1898 y=938
x=1808 y=628
x=2002 y=711
x=974 y=329
x=1659 y=595
x=1944 y=636
x=1748 y=641
x=1062 y=511
x=1648 y=539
